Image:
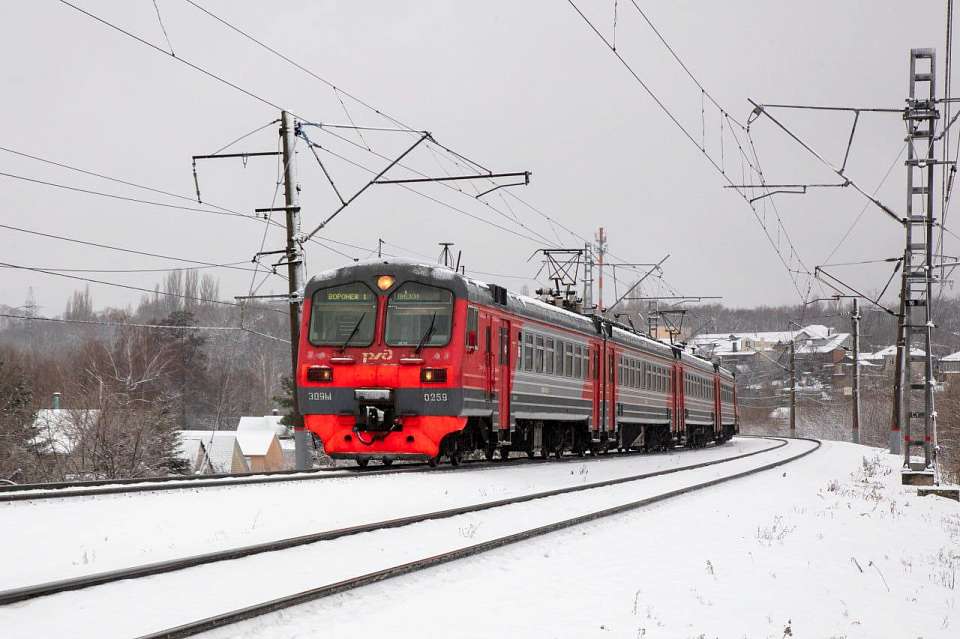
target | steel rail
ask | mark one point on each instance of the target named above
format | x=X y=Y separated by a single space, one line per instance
x=61 y=490
x=96 y=579
x=257 y=610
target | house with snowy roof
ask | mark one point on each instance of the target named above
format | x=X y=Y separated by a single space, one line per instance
x=950 y=364
x=262 y=440
x=59 y=431
x=193 y=453
x=821 y=350
x=223 y=453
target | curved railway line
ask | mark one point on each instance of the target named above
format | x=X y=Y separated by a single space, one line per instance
x=249 y=612
x=66 y=490
x=208 y=623
x=146 y=570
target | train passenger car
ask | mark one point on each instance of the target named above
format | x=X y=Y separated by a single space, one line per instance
x=399 y=360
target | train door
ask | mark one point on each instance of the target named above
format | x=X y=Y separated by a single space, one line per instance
x=596 y=363
x=489 y=361
x=612 y=392
x=503 y=373
x=717 y=408
x=604 y=389
x=678 y=393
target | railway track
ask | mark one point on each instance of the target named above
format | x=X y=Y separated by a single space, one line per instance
x=67 y=490
x=248 y=612
x=146 y=570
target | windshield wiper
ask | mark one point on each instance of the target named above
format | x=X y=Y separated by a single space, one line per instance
x=356 y=328
x=426 y=336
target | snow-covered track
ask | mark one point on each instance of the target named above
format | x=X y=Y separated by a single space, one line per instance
x=426 y=543
x=250 y=612
x=66 y=490
x=63 y=490
x=146 y=570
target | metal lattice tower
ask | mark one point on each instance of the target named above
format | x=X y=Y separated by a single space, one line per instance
x=917 y=417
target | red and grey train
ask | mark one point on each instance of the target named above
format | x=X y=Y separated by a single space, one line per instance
x=400 y=360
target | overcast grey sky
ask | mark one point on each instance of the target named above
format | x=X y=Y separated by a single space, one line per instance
x=514 y=85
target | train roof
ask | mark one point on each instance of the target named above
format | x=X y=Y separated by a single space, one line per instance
x=485 y=293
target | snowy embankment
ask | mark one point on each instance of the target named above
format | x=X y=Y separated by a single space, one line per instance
x=828 y=546
x=46 y=540
x=117 y=610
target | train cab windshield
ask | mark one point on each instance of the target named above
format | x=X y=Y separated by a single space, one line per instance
x=343 y=316
x=419 y=315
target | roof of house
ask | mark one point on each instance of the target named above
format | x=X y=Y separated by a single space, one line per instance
x=826 y=344
x=58 y=429
x=265 y=423
x=725 y=342
x=891 y=351
x=192 y=451
x=219 y=445
x=255 y=442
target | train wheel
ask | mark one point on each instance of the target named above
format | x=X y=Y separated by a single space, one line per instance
x=362 y=463
x=434 y=461
x=505 y=453
x=489 y=452
x=456 y=456
x=558 y=453
x=387 y=462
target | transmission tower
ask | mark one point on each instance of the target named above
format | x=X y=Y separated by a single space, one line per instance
x=914 y=389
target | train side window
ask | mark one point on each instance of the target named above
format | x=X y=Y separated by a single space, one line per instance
x=504 y=346
x=528 y=352
x=596 y=364
x=488 y=339
x=473 y=338
x=538 y=354
x=568 y=359
x=577 y=363
x=548 y=356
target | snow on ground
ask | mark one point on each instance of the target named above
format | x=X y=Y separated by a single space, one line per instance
x=216 y=588
x=828 y=546
x=46 y=540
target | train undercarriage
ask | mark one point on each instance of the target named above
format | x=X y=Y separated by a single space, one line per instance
x=545 y=439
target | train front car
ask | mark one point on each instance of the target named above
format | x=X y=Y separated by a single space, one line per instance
x=380 y=360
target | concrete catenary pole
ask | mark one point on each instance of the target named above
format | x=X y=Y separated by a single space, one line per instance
x=295 y=274
x=855 y=318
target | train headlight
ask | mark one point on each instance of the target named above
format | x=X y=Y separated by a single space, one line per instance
x=433 y=375
x=319 y=374
x=385 y=281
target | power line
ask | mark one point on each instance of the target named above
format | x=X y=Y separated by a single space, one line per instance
x=867 y=205
x=245 y=136
x=167 y=54
x=690 y=137
x=131 y=325
x=339 y=90
x=296 y=64
x=138 y=270
x=442 y=183
x=124 y=250
x=429 y=197
x=124 y=198
x=681 y=63
x=128 y=286
x=114 y=179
